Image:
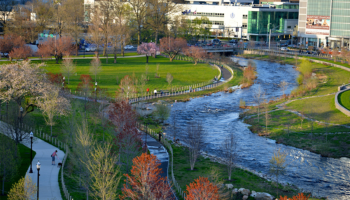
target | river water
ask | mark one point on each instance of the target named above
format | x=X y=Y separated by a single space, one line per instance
x=219 y=113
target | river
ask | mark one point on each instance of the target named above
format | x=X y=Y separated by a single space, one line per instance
x=219 y=114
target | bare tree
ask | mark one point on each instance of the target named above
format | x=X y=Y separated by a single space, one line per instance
x=95 y=67
x=169 y=78
x=162 y=112
x=258 y=95
x=278 y=164
x=52 y=104
x=139 y=8
x=68 y=67
x=283 y=86
x=105 y=176
x=229 y=152
x=194 y=140
x=267 y=115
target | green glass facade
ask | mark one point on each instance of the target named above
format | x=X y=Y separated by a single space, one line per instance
x=259 y=22
x=340 y=20
x=319 y=7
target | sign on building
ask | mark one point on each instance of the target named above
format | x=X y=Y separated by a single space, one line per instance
x=318 y=25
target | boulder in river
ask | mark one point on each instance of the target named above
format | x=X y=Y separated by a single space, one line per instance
x=253 y=194
x=263 y=196
x=229 y=186
x=245 y=197
x=244 y=191
x=234 y=191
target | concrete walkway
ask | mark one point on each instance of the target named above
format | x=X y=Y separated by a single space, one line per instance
x=48 y=180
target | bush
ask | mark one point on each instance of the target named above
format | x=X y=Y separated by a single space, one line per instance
x=242 y=103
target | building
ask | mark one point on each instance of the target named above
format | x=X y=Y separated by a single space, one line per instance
x=252 y=22
x=324 y=23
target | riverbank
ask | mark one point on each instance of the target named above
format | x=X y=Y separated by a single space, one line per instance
x=309 y=120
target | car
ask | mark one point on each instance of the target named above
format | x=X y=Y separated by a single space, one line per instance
x=90 y=48
x=128 y=47
x=232 y=41
x=284 y=49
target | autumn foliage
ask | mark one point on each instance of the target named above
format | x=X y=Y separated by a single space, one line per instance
x=145 y=181
x=9 y=42
x=197 y=53
x=85 y=83
x=22 y=52
x=172 y=47
x=300 y=196
x=249 y=75
x=202 y=189
x=56 y=47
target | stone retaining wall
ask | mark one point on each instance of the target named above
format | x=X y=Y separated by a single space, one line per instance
x=339 y=106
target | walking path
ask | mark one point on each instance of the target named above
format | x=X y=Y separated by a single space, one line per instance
x=48 y=181
x=80 y=58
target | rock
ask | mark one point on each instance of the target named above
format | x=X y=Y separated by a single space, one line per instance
x=234 y=191
x=245 y=197
x=263 y=196
x=229 y=186
x=244 y=191
x=253 y=194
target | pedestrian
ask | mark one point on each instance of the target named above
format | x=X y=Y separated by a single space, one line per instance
x=147 y=90
x=155 y=92
x=53 y=157
x=190 y=89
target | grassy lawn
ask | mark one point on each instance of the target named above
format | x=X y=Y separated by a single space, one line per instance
x=184 y=73
x=91 y=55
x=22 y=168
x=303 y=133
x=344 y=99
x=240 y=178
x=318 y=108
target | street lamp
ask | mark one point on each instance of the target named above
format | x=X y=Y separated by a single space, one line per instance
x=21 y=110
x=64 y=78
x=96 y=91
x=38 y=168
x=31 y=150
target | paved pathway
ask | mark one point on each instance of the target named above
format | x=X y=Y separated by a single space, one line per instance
x=48 y=180
x=80 y=58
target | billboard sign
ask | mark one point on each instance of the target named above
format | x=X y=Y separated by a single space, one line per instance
x=318 y=25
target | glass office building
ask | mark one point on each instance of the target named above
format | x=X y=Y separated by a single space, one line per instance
x=324 y=23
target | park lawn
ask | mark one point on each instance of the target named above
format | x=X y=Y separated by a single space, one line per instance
x=89 y=55
x=204 y=168
x=184 y=73
x=22 y=167
x=344 y=99
x=303 y=133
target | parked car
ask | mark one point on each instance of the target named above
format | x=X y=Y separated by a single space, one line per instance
x=284 y=49
x=4 y=55
x=90 y=48
x=232 y=41
x=128 y=47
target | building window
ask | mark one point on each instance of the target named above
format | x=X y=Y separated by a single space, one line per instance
x=244 y=25
x=245 y=16
x=289 y=27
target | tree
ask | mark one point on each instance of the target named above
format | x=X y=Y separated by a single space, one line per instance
x=162 y=112
x=52 y=104
x=229 y=153
x=148 y=49
x=85 y=85
x=202 y=189
x=283 y=86
x=24 y=189
x=145 y=181
x=56 y=47
x=9 y=159
x=127 y=87
x=258 y=98
x=105 y=176
x=194 y=140
x=94 y=35
x=95 y=67
x=9 y=42
x=172 y=47
x=278 y=164
x=169 y=78
x=300 y=196
x=335 y=54
x=68 y=67
x=139 y=8
x=24 y=84
x=197 y=53
x=267 y=115
x=22 y=52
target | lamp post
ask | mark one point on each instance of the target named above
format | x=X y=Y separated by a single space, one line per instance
x=20 y=118
x=96 y=91
x=64 y=78
x=31 y=152
x=146 y=136
x=38 y=168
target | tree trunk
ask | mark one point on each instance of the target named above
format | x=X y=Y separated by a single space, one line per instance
x=156 y=37
x=107 y=59
x=146 y=59
x=76 y=49
x=115 y=55
x=51 y=130
x=139 y=36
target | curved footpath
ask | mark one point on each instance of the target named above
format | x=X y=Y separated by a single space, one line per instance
x=48 y=180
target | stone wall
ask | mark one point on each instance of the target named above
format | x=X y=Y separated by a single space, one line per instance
x=339 y=106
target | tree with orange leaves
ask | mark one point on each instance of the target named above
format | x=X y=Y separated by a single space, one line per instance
x=56 y=47
x=145 y=180
x=196 y=53
x=202 y=189
x=300 y=196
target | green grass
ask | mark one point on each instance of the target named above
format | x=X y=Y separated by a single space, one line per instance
x=344 y=99
x=22 y=167
x=302 y=133
x=204 y=168
x=89 y=56
x=184 y=73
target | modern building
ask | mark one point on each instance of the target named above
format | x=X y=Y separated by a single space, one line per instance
x=252 y=22
x=324 y=23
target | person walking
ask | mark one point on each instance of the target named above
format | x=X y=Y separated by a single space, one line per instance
x=155 y=92
x=147 y=90
x=53 y=157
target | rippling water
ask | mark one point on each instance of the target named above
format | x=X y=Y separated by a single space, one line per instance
x=219 y=113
